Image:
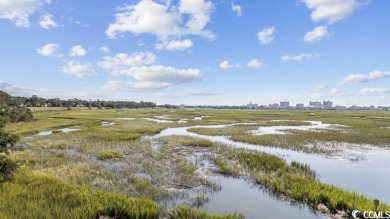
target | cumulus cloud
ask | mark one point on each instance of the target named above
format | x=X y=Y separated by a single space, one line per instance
x=361 y=78
x=237 y=9
x=372 y=91
x=335 y=91
x=104 y=49
x=321 y=85
x=78 y=69
x=254 y=63
x=299 y=57
x=190 y=17
x=331 y=10
x=48 y=49
x=19 y=11
x=77 y=51
x=148 y=77
x=154 y=77
x=134 y=86
x=225 y=65
x=16 y=90
x=266 y=35
x=46 y=21
x=123 y=61
x=174 y=45
x=186 y=93
x=316 y=35
x=161 y=74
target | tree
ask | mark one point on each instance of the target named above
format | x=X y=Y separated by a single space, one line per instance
x=11 y=110
x=7 y=140
x=7 y=168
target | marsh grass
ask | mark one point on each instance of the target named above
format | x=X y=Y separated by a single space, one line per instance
x=110 y=155
x=226 y=168
x=362 y=132
x=41 y=196
x=199 y=200
x=186 y=212
x=175 y=141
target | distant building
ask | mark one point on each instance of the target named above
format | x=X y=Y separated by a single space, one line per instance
x=274 y=106
x=300 y=106
x=252 y=106
x=340 y=107
x=284 y=104
x=315 y=104
x=327 y=104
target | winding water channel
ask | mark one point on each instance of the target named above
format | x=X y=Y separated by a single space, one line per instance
x=369 y=176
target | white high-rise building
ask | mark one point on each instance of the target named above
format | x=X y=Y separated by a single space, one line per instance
x=327 y=104
x=284 y=104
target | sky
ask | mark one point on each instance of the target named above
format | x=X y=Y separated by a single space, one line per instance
x=198 y=52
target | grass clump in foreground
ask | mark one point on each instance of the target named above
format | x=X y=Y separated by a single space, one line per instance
x=109 y=155
x=41 y=196
x=298 y=182
x=177 y=140
x=185 y=212
x=225 y=167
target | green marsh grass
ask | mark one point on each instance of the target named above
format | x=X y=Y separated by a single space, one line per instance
x=225 y=167
x=185 y=212
x=41 y=196
x=110 y=155
x=176 y=140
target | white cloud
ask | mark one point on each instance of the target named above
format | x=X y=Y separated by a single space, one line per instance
x=104 y=49
x=237 y=9
x=48 y=49
x=163 y=20
x=316 y=35
x=254 y=63
x=266 y=35
x=161 y=74
x=19 y=11
x=174 y=45
x=335 y=91
x=15 y=90
x=77 y=51
x=46 y=21
x=321 y=85
x=300 y=57
x=339 y=93
x=372 y=91
x=134 y=86
x=123 y=61
x=360 y=78
x=153 y=78
x=78 y=69
x=225 y=65
x=331 y=10
x=186 y=93
x=199 y=12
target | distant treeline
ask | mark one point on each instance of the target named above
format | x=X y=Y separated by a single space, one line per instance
x=35 y=101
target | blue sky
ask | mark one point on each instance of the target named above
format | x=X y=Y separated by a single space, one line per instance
x=198 y=51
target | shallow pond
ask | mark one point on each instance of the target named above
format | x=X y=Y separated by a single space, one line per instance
x=65 y=130
x=238 y=195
